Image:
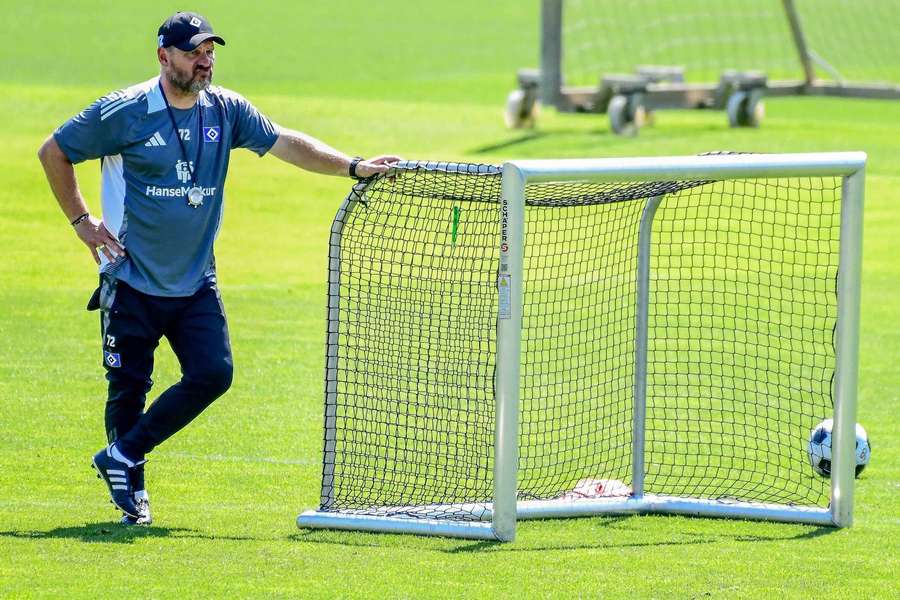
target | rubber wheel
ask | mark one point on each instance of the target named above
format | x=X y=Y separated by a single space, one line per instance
x=745 y=109
x=755 y=109
x=517 y=115
x=626 y=117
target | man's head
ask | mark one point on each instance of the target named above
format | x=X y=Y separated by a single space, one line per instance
x=186 y=51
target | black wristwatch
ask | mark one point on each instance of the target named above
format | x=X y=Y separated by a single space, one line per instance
x=353 y=164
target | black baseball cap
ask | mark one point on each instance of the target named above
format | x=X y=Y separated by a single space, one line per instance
x=186 y=31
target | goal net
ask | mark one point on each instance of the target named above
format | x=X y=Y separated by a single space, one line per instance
x=847 y=40
x=677 y=339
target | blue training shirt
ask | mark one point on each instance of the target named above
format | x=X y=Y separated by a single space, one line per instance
x=145 y=180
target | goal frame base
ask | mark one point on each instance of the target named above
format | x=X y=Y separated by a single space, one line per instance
x=712 y=96
x=561 y=509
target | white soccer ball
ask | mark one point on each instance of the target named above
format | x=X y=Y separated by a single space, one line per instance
x=819 y=448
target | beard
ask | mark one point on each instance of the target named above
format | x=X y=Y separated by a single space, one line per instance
x=189 y=83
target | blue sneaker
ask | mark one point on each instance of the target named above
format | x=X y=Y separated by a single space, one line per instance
x=118 y=479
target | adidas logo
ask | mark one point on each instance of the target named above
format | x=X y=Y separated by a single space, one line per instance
x=156 y=140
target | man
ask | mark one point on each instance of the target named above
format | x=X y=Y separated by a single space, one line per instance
x=164 y=146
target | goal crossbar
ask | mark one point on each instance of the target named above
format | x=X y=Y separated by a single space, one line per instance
x=496 y=517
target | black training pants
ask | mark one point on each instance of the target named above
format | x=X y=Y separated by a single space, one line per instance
x=132 y=323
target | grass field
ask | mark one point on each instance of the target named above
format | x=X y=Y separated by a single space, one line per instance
x=427 y=83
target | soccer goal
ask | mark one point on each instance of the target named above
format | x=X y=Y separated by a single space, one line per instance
x=581 y=337
x=630 y=59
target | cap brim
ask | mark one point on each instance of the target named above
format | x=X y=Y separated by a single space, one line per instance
x=198 y=39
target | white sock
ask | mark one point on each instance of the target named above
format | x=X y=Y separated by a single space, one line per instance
x=114 y=452
x=141 y=495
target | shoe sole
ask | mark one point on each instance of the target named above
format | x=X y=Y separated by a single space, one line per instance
x=111 y=498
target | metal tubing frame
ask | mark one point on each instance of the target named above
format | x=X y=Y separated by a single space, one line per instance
x=509 y=339
x=848 y=165
x=790 y=10
x=331 y=342
x=551 y=82
x=670 y=505
x=509 y=325
x=499 y=518
x=843 y=469
x=661 y=96
x=726 y=166
x=473 y=530
x=639 y=416
x=503 y=510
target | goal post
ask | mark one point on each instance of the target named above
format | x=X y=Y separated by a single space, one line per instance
x=578 y=337
x=598 y=56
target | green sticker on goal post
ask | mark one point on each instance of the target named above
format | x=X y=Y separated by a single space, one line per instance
x=456 y=211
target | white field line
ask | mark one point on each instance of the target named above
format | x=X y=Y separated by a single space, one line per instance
x=69 y=503
x=247 y=459
x=177 y=455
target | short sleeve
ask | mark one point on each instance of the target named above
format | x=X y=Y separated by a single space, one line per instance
x=90 y=134
x=251 y=129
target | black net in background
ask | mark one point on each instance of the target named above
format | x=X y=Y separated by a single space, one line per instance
x=742 y=312
x=851 y=40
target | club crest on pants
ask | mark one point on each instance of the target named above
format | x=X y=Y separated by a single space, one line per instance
x=112 y=359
